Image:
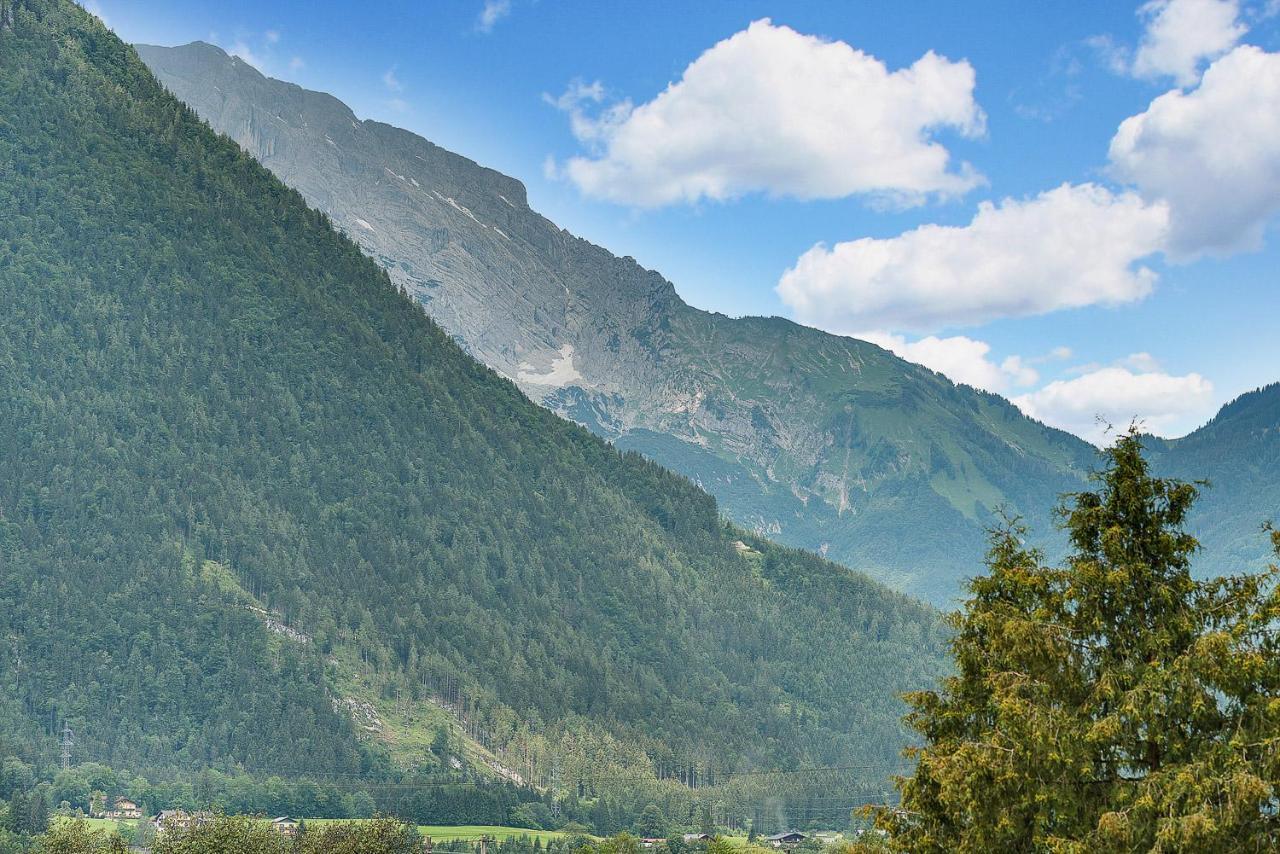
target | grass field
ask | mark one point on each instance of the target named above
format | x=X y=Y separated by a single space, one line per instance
x=466 y=832
x=445 y=833
x=104 y=823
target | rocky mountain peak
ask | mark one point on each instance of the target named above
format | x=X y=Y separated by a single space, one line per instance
x=817 y=440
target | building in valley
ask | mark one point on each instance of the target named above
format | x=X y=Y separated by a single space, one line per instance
x=787 y=840
x=123 y=808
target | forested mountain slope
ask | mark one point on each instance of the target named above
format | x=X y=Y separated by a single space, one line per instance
x=1238 y=453
x=815 y=440
x=212 y=399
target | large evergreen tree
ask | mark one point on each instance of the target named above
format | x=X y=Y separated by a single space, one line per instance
x=1115 y=704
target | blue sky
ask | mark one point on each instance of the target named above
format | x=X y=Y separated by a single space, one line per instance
x=860 y=155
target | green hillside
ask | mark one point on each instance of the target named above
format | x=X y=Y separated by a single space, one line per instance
x=1238 y=452
x=196 y=367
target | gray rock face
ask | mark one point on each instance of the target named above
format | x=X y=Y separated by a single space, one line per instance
x=819 y=441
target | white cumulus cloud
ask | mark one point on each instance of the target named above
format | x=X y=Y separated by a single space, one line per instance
x=1165 y=404
x=776 y=111
x=960 y=359
x=1072 y=246
x=1213 y=153
x=1181 y=34
x=1098 y=396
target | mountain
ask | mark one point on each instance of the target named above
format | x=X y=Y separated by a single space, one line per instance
x=257 y=510
x=818 y=441
x=1238 y=453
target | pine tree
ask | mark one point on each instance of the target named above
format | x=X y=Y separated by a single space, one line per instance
x=19 y=812
x=705 y=824
x=38 y=813
x=652 y=824
x=1116 y=704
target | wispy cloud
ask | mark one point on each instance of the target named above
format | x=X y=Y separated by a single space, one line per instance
x=492 y=12
x=1114 y=56
x=241 y=49
x=258 y=49
x=392 y=83
x=93 y=7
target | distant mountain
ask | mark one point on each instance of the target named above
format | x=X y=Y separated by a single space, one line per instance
x=242 y=474
x=1238 y=453
x=815 y=440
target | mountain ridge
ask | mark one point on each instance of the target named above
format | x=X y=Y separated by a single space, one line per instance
x=819 y=441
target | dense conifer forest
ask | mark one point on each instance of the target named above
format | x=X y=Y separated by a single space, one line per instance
x=234 y=458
